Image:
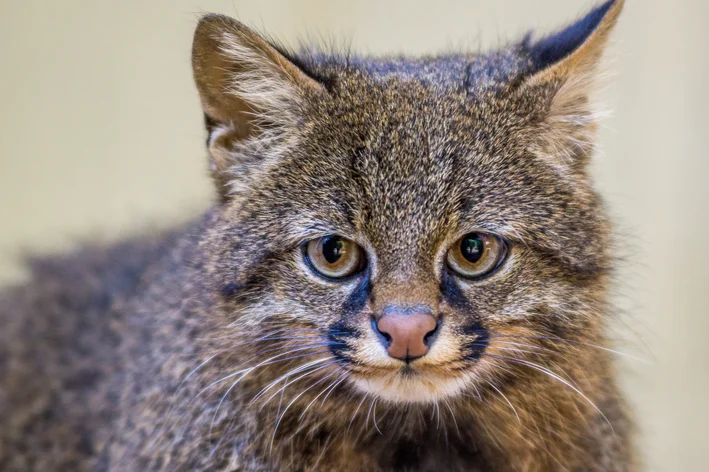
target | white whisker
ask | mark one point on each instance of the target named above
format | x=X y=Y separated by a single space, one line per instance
x=374 y=417
x=506 y=399
x=560 y=379
x=364 y=397
x=278 y=423
x=335 y=382
x=293 y=371
x=310 y=370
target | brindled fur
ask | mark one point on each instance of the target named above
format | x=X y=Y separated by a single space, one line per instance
x=215 y=347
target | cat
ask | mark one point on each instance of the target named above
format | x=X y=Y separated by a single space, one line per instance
x=406 y=268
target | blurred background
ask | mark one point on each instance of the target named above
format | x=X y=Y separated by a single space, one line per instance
x=101 y=136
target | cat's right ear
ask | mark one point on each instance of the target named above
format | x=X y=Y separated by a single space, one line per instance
x=251 y=97
x=564 y=78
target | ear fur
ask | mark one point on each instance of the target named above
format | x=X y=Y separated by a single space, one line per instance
x=251 y=96
x=567 y=63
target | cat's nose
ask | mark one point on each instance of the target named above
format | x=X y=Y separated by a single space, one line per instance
x=407 y=334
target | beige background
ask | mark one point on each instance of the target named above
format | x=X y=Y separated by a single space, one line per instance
x=101 y=134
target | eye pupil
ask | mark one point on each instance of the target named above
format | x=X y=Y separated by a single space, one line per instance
x=472 y=248
x=332 y=249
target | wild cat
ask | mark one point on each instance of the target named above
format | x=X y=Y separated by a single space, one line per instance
x=406 y=268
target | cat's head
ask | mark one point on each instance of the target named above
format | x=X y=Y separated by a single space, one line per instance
x=414 y=226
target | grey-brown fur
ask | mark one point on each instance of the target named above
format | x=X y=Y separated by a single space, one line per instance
x=123 y=357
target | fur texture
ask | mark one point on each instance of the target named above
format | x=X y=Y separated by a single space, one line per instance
x=216 y=347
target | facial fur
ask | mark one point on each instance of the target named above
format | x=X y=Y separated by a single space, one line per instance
x=404 y=158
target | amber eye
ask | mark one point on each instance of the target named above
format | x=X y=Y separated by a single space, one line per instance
x=476 y=255
x=334 y=256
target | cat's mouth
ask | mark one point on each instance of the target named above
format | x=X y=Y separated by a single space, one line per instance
x=410 y=384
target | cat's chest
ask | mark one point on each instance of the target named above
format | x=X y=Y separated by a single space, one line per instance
x=430 y=456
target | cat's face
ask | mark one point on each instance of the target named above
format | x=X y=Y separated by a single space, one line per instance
x=403 y=189
x=417 y=233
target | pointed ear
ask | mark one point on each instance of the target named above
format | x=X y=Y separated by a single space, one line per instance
x=251 y=96
x=565 y=65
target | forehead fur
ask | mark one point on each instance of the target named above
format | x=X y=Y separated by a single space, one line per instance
x=404 y=152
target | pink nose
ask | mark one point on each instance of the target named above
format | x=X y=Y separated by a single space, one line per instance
x=407 y=335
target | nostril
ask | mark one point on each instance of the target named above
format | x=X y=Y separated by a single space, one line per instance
x=384 y=337
x=431 y=335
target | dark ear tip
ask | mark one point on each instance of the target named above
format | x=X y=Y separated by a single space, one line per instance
x=604 y=8
x=210 y=20
x=557 y=46
x=215 y=18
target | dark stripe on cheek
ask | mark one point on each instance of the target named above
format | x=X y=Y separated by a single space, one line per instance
x=337 y=337
x=452 y=292
x=357 y=300
x=477 y=346
x=351 y=314
x=480 y=338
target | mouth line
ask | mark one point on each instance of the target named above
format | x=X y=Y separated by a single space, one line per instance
x=408 y=371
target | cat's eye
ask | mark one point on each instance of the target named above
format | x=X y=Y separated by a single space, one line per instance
x=334 y=257
x=476 y=255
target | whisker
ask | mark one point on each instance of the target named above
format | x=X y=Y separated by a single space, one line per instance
x=521 y=351
x=323 y=391
x=374 y=417
x=438 y=415
x=280 y=401
x=572 y=341
x=244 y=373
x=369 y=413
x=506 y=399
x=293 y=371
x=344 y=377
x=290 y=382
x=364 y=397
x=276 y=348
x=231 y=387
x=302 y=425
x=269 y=361
x=530 y=346
x=557 y=377
x=196 y=369
x=278 y=423
x=455 y=422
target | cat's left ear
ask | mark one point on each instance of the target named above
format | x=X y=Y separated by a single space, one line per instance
x=565 y=72
x=252 y=96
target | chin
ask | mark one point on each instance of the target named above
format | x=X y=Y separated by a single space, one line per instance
x=409 y=385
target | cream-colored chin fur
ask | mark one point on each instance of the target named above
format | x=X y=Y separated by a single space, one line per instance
x=415 y=388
